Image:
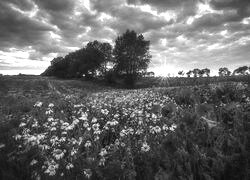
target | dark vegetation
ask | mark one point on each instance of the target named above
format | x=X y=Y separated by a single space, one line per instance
x=211 y=140
x=125 y=62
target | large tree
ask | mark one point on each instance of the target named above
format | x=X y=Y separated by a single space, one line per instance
x=131 y=54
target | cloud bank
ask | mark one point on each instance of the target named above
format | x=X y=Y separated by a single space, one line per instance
x=184 y=34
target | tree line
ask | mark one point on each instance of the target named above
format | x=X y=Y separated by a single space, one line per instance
x=224 y=71
x=128 y=59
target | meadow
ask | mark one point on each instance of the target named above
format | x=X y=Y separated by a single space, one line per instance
x=70 y=129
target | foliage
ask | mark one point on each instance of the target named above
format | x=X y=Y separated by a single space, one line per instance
x=243 y=70
x=131 y=55
x=87 y=61
x=199 y=72
x=224 y=72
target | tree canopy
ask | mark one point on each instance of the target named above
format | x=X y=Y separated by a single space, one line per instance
x=87 y=61
x=224 y=72
x=131 y=53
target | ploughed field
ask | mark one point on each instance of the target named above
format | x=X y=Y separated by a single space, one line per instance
x=69 y=129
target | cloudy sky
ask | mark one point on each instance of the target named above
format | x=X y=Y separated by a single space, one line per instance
x=184 y=34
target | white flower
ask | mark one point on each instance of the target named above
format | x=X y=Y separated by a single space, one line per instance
x=97 y=132
x=38 y=104
x=145 y=147
x=73 y=152
x=64 y=133
x=58 y=154
x=140 y=122
x=87 y=173
x=53 y=129
x=173 y=127
x=51 y=105
x=50 y=119
x=165 y=127
x=78 y=105
x=52 y=167
x=87 y=144
x=123 y=133
x=69 y=166
x=33 y=162
x=95 y=127
x=2 y=146
x=83 y=117
x=31 y=139
x=130 y=130
x=44 y=146
x=85 y=124
x=103 y=152
x=22 y=124
x=94 y=120
x=105 y=111
x=76 y=121
x=154 y=116
x=35 y=124
x=112 y=123
x=70 y=127
x=96 y=138
x=49 y=111
x=139 y=131
x=157 y=129
x=17 y=137
x=102 y=162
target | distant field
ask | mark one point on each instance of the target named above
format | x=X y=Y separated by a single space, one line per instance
x=185 y=81
x=74 y=129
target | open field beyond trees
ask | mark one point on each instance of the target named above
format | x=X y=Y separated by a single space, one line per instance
x=73 y=129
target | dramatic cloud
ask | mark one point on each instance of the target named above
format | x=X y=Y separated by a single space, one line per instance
x=184 y=34
x=242 y=7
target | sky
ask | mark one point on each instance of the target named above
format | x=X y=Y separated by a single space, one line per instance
x=183 y=34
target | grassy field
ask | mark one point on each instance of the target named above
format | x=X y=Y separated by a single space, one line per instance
x=72 y=129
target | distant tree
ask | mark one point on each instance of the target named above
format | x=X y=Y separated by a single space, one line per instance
x=207 y=72
x=181 y=73
x=131 y=55
x=195 y=72
x=241 y=70
x=224 y=72
x=189 y=73
x=201 y=72
x=150 y=74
